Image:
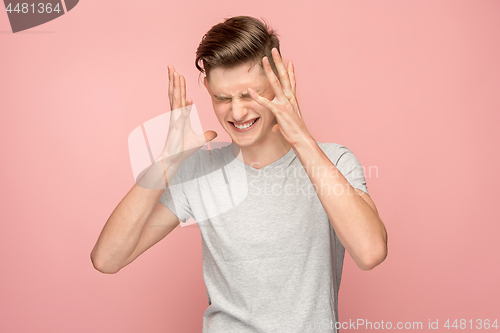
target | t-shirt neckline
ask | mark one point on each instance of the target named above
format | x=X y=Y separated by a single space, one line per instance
x=283 y=159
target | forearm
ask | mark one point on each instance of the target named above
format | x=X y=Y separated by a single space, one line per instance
x=122 y=231
x=356 y=224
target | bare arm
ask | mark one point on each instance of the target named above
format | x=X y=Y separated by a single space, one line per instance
x=352 y=213
x=137 y=223
x=159 y=224
x=140 y=221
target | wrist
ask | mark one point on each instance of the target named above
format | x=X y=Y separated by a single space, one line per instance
x=159 y=174
x=304 y=142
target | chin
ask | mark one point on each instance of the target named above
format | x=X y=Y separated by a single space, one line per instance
x=243 y=143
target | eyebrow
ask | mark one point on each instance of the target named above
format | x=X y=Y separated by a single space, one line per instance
x=245 y=94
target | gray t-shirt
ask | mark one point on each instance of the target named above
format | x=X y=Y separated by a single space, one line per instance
x=271 y=259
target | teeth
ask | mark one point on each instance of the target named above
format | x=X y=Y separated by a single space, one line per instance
x=245 y=126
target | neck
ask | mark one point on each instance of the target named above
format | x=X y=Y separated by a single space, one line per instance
x=263 y=152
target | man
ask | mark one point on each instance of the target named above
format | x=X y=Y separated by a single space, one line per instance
x=279 y=212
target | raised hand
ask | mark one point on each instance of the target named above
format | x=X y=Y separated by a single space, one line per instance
x=181 y=141
x=285 y=105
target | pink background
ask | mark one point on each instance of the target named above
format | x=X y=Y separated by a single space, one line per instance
x=411 y=87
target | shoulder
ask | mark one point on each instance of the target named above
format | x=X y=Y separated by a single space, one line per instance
x=206 y=160
x=347 y=163
x=335 y=151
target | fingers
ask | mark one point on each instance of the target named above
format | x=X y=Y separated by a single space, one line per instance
x=276 y=129
x=291 y=74
x=210 y=135
x=176 y=89
x=284 y=78
x=176 y=102
x=261 y=100
x=170 y=85
x=273 y=80
x=293 y=84
x=183 y=91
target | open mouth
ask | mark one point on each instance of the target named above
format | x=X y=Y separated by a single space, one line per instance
x=245 y=127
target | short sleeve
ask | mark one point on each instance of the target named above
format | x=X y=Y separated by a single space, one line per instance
x=348 y=164
x=174 y=197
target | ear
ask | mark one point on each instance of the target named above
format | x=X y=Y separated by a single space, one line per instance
x=205 y=82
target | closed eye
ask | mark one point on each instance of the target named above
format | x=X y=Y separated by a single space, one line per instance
x=242 y=96
x=223 y=100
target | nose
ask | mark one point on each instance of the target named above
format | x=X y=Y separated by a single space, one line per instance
x=239 y=110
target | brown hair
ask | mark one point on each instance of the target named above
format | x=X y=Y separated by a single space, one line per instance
x=236 y=41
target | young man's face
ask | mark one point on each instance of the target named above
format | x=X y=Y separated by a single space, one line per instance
x=234 y=106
